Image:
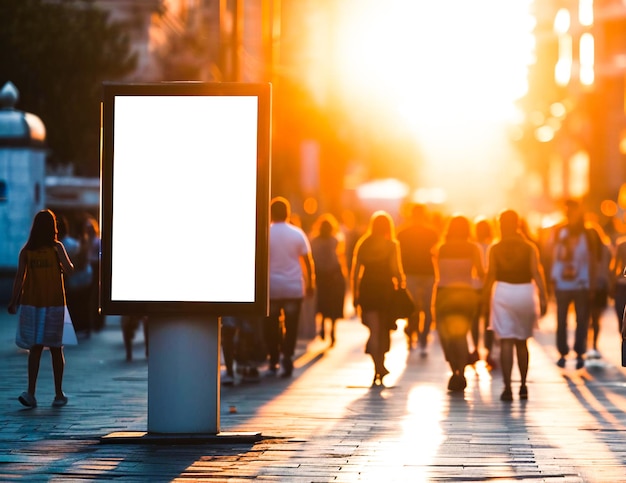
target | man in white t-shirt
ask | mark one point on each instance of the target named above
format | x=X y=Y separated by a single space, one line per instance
x=291 y=274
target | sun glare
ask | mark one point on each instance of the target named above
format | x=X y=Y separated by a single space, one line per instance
x=432 y=60
x=449 y=71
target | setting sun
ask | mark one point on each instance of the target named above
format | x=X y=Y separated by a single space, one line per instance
x=447 y=71
x=432 y=60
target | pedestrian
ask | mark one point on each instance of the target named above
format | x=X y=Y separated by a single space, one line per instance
x=600 y=295
x=480 y=325
x=617 y=280
x=130 y=324
x=514 y=279
x=573 y=277
x=291 y=274
x=242 y=347
x=376 y=272
x=458 y=266
x=93 y=242
x=78 y=285
x=417 y=242
x=330 y=273
x=39 y=293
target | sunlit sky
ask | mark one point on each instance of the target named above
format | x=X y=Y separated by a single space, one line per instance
x=449 y=71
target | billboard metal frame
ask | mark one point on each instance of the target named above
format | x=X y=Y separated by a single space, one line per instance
x=259 y=305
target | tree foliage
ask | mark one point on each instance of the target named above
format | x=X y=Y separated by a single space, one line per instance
x=58 y=54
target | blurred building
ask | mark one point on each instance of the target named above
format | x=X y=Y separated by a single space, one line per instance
x=285 y=42
x=208 y=40
x=575 y=133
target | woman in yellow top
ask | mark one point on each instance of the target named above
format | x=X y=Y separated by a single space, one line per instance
x=39 y=292
x=459 y=269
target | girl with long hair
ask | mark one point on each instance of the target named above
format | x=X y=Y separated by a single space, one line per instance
x=459 y=267
x=39 y=292
x=376 y=272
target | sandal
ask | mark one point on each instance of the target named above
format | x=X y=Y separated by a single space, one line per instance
x=59 y=401
x=27 y=400
x=507 y=395
x=523 y=392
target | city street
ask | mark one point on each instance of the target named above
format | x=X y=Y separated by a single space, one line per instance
x=326 y=423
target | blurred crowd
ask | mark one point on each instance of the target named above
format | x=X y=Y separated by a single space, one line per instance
x=480 y=284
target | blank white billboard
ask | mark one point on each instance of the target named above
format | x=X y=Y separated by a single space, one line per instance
x=185 y=198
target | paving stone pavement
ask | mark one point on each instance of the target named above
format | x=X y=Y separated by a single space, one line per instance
x=326 y=423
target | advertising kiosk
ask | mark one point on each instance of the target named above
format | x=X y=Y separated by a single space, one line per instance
x=185 y=221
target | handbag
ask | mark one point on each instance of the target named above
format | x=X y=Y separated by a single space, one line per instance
x=401 y=304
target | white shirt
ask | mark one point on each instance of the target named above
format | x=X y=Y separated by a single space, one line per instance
x=287 y=244
x=579 y=260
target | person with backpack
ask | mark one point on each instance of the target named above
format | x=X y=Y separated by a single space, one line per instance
x=573 y=278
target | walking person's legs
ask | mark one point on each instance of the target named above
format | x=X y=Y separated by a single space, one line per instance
x=459 y=354
x=424 y=302
x=620 y=303
x=291 y=308
x=582 y=305
x=34 y=360
x=228 y=331
x=412 y=324
x=506 y=361
x=374 y=345
x=27 y=398
x=475 y=331
x=563 y=300
x=272 y=334
x=521 y=348
x=333 y=323
x=58 y=367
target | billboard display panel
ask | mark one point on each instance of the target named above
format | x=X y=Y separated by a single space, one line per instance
x=185 y=198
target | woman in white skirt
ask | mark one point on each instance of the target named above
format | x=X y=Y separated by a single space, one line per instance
x=514 y=279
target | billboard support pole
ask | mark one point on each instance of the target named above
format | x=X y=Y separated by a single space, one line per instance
x=183 y=385
x=183 y=375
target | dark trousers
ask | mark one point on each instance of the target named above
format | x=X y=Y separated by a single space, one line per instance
x=278 y=340
x=481 y=321
x=582 y=304
x=620 y=303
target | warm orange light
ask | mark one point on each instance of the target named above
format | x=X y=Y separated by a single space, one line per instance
x=578 y=185
x=587 y=75
x=558 y=110
x=432 y=60
x=310 y=206
x=608 y=208
x=585 y=12
x=621 y=197
x=544 y=134
x=562 y=21
x=390 y=189
x=563 y=68
x=433 y=69
x=622 y=141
